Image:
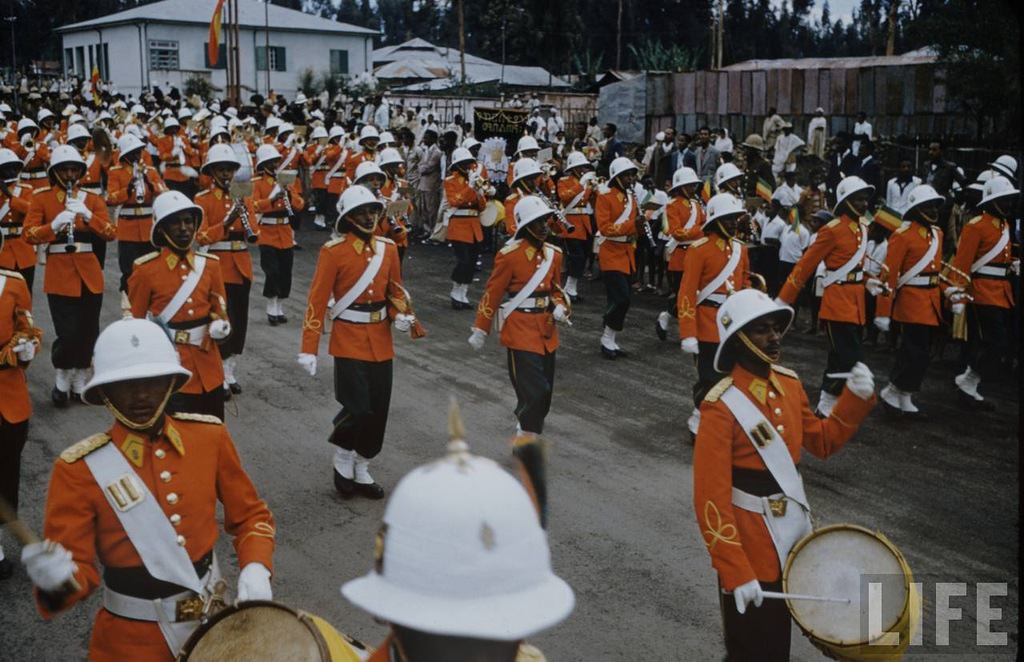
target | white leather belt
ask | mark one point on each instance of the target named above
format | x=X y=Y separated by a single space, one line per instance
x=177 y=608
x=362 y=316
x=135 y=212
x=273 y=220
x=579 y=210
x=77 y=247
x=620 y=240
x=923 y=281
x=989 y=270
x=466 y=212
x=852 y=277
x=748 y=501
x=193 y=336
x=228 y=246
x=38 y=174
x=11 y=232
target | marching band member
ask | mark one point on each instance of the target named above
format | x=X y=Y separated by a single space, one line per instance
x=576 y=192
x=19 y=343
x=841 y=245
x=463 y=507
x=616 y=212
x=275 y=205
x=361 y=272
x=337 y=180
x=228 y=228
x=184 y=292
x=33 y=152
x=527 y=148
x=464 y=230
x=713 y=267
x=729 y=179
x=748 y=495
x=141 y=499
x=368 y=141
x=528 y=270
x=684 y=218
x=68 y=219
x=525 y=177
x=318 y=156
x=175 y=152
x=133 y=185
x=984 y=253
x=15 y=199
x=394 y=227
x=911 y=294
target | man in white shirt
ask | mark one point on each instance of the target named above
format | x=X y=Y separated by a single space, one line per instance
x=555 y=124
x=382 y=115
x=900 y=186
x=817 y=134
x=789 y=185
x=785 y=149
x=771 y=128
x=861 y=131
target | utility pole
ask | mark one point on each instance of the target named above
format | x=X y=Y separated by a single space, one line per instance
x=266 y=45
x=238 y=62
x=890 y=45
x=462 y=44
x=618 y=39
x=721 y=33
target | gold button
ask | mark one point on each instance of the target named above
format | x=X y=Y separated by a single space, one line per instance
x=781 y=428
x=190 y=311
x=778 y=411
x=160 y=453
x=188 y=300
x=165 y=476
x=181 y=541
x=175 y=519
x=184 y=277
x=771 y=394
x=172 y=498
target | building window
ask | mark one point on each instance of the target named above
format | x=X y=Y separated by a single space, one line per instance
x=80 y=61
x=277 y=58
x=339 y=62
x=105 y=62
x=163 y=55
x=69 y=60
x=222 y=56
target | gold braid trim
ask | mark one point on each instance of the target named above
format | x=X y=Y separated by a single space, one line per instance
x=484 y=307
x=311 y=321
x=717 y=530
x=260 y=530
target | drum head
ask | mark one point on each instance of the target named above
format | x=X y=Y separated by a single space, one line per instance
x=837 y=561
x=489 y=216
x=256 y=631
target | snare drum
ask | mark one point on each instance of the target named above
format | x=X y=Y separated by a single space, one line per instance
x=263 y=630
x=490 y=215
x=839 y=561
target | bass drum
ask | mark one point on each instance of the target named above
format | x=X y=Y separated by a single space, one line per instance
x=491 y=213
x=263 y=630
x=839 y=561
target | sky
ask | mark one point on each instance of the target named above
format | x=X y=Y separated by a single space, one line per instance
x=839 y=8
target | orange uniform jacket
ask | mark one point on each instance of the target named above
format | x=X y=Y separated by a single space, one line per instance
x=15 y=324
x=34 y=172
x=615 y=255
x=155 y=280
x=510 y=217
x=978 y=237
x=395 y=229
x=194 y=459
x=342 y=261
x=339 y=181
x=330 y=155
x=16 y=253
x=165 y=146
x=296 y=159
x=462 y=196
x=353 y=161
x=94 y=171
x=913 y=303
x=273 y=232
x=235 y=263
x=677 y=213
x=703 y=261
x=738 y=540
x=514 y=265
x=135 y=220
x=67 y=273
x=568 y=188
x=835 y=243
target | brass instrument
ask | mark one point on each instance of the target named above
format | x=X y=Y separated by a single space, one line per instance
x=948 y=267
x=759 y=281
x=958 y=329
x=251 y=236
x=285 y=197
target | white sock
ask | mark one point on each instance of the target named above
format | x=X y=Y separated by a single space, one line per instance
x=280 y=307
x=344 y=461
x=608 y=338
x=62 y=379
x=455 y=291
x=465 y=293
x=570 y=285
x=79 y=377
x=663 y=318
x=362 y=470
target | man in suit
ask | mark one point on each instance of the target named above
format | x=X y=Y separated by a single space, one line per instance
x=706 y=158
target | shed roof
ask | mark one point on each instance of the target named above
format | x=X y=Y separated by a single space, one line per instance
x=919 y=56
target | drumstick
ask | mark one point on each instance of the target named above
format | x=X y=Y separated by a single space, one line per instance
x=800 y=596
x=27 y=536
x=839 y=375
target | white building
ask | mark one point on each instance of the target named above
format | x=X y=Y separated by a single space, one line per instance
x=165 y=43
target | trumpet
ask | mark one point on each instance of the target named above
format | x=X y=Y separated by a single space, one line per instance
x=758 y=281
x=251 y=236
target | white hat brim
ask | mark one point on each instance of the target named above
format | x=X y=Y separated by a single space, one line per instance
x=137 y=371
x=784 y=308
x=508 y=617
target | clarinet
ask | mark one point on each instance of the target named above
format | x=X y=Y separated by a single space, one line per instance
x=243 y=215
x=69 y=241
x=140 y=185
x=642 y=221
x=557 y=208
x=287 y=198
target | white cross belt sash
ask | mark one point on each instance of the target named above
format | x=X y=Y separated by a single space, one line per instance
x=347 y=299
x=921 y=264
x=6 y=208
x=993 y=253
x=725 y=274
x=624 y=216
x=839 y=275
x=188 y=286
x=674 y=243
x=340 y=162
x=505 y=309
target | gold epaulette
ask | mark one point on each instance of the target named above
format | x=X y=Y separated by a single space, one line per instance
x=974 y=220
x=201 y=418
x=785 y=371
x=334 y=242
x=117 y=167
x=77 y=451
x=699 y=242
x=41 y=190
x=510 y=246
x=11 y=274
x=718 y=389
x=834 y=222
x=152 y=255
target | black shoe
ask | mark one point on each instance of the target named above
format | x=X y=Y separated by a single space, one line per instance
x=234 y=388
x=227 y=393
x=461 y=305
x=621 y=353
x=662 y=333
x=6 y=568
x=370 y=490
x=575 y=298
x=76 y=397
x=281 y=319
x=272 y=319
x=59 y=397
x=610 y=354
x=298 y=247
x=346 y=486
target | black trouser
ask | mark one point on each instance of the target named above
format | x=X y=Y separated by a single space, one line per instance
x=277 y=267
x=771 y=269
x=761 y=634
x=76 y=324
x=330 y=209
x=674 y=279
x=911 y=357
x=465 y=262
x=844 y=350
x=238 y=315
x=707 y=376
x=987 y=338
x=617 y=291
x=127 y=253
x=207 y=402
x=363 y=389
x=12 y=441
x=99 y=249
x=533 y=378
x=29 y=274
x=575 y=257
x=187 y=187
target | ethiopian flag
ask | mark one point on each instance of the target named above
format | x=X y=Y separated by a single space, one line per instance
x=888 y=218
x=94 y=84
x=794 y=216
x=705 y=191
x=213 y=43
x=763 y=190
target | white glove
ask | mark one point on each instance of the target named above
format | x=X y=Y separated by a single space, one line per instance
x=874 y=287
x=64 y=219
x=958 y=308
x=25 y=350
x=861 y=382
x=1015 y=267
x=308 y=363
x=275 y=192
x=48 y=564
x=744 y=594
x=561 y=314
x=254 y=583
x=220 y=329
x=403 y=322
x=883 y=324
x=690 y=346
x=78 y=207
x=476 y=340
